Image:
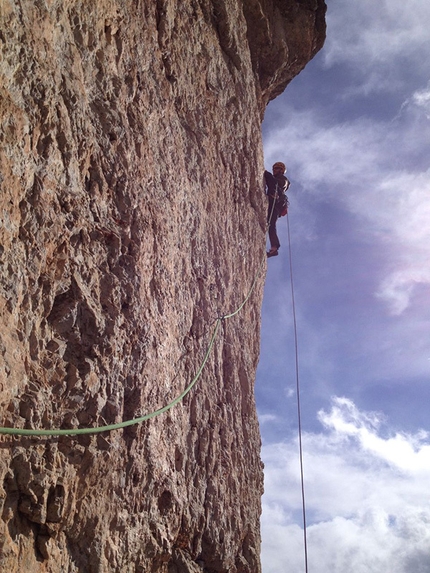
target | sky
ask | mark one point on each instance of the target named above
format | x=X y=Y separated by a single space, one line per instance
x=354 y=131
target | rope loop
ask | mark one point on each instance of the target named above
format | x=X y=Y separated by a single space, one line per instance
x=221 y=318
x=107 y=428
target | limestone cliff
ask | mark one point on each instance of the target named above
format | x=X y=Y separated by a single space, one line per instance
x=132 y=215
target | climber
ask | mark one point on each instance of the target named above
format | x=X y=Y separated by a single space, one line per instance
x=276 y=186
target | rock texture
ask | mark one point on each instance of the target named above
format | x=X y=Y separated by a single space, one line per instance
x=132 y=216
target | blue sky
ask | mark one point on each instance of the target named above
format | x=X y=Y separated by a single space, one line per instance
x=354 y=131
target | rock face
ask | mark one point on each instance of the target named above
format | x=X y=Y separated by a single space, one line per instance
x=132 y=216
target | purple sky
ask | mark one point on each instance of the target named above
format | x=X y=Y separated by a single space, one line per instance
x=354 y=131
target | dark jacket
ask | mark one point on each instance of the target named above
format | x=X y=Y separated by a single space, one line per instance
x=274 y=185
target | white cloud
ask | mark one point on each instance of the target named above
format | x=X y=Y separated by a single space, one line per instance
x=290 y=392
x=366 y=493
x=375 y=38
x=418 y=101
x=421 y=99
x=408 y=453
x=267 y=418
x=398 y=288
x=400 y=213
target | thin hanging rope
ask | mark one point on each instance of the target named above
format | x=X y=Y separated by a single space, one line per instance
x=299 y=415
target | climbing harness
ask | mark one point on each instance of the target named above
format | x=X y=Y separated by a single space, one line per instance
x=299 y=415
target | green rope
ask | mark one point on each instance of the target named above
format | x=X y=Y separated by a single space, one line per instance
x=119 y=425
x=132 y=422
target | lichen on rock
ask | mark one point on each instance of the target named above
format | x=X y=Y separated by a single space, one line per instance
x=132 y=216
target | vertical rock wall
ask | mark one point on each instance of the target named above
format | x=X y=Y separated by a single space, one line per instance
x=132 y=215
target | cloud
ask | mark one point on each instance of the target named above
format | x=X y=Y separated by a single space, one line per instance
x=408 y=453
x=267 y=418
x=378 y=39
x=398 y=288
x=399 y=216
x=366 y=494
x=421 y=98
x=419 y=102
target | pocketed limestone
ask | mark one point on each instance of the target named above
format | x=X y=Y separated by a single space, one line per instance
x=132 y=216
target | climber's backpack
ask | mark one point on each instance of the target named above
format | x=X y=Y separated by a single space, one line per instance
x=282 y=200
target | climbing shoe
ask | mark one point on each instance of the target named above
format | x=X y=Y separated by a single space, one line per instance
x=272 y=253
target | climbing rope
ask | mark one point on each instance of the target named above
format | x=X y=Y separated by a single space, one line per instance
x=299 y=415
x=138 y=420
x=119 y=425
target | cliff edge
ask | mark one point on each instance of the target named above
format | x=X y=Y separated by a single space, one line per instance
x=132 y=216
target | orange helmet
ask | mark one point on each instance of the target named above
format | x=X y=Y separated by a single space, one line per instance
x=280 y=165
